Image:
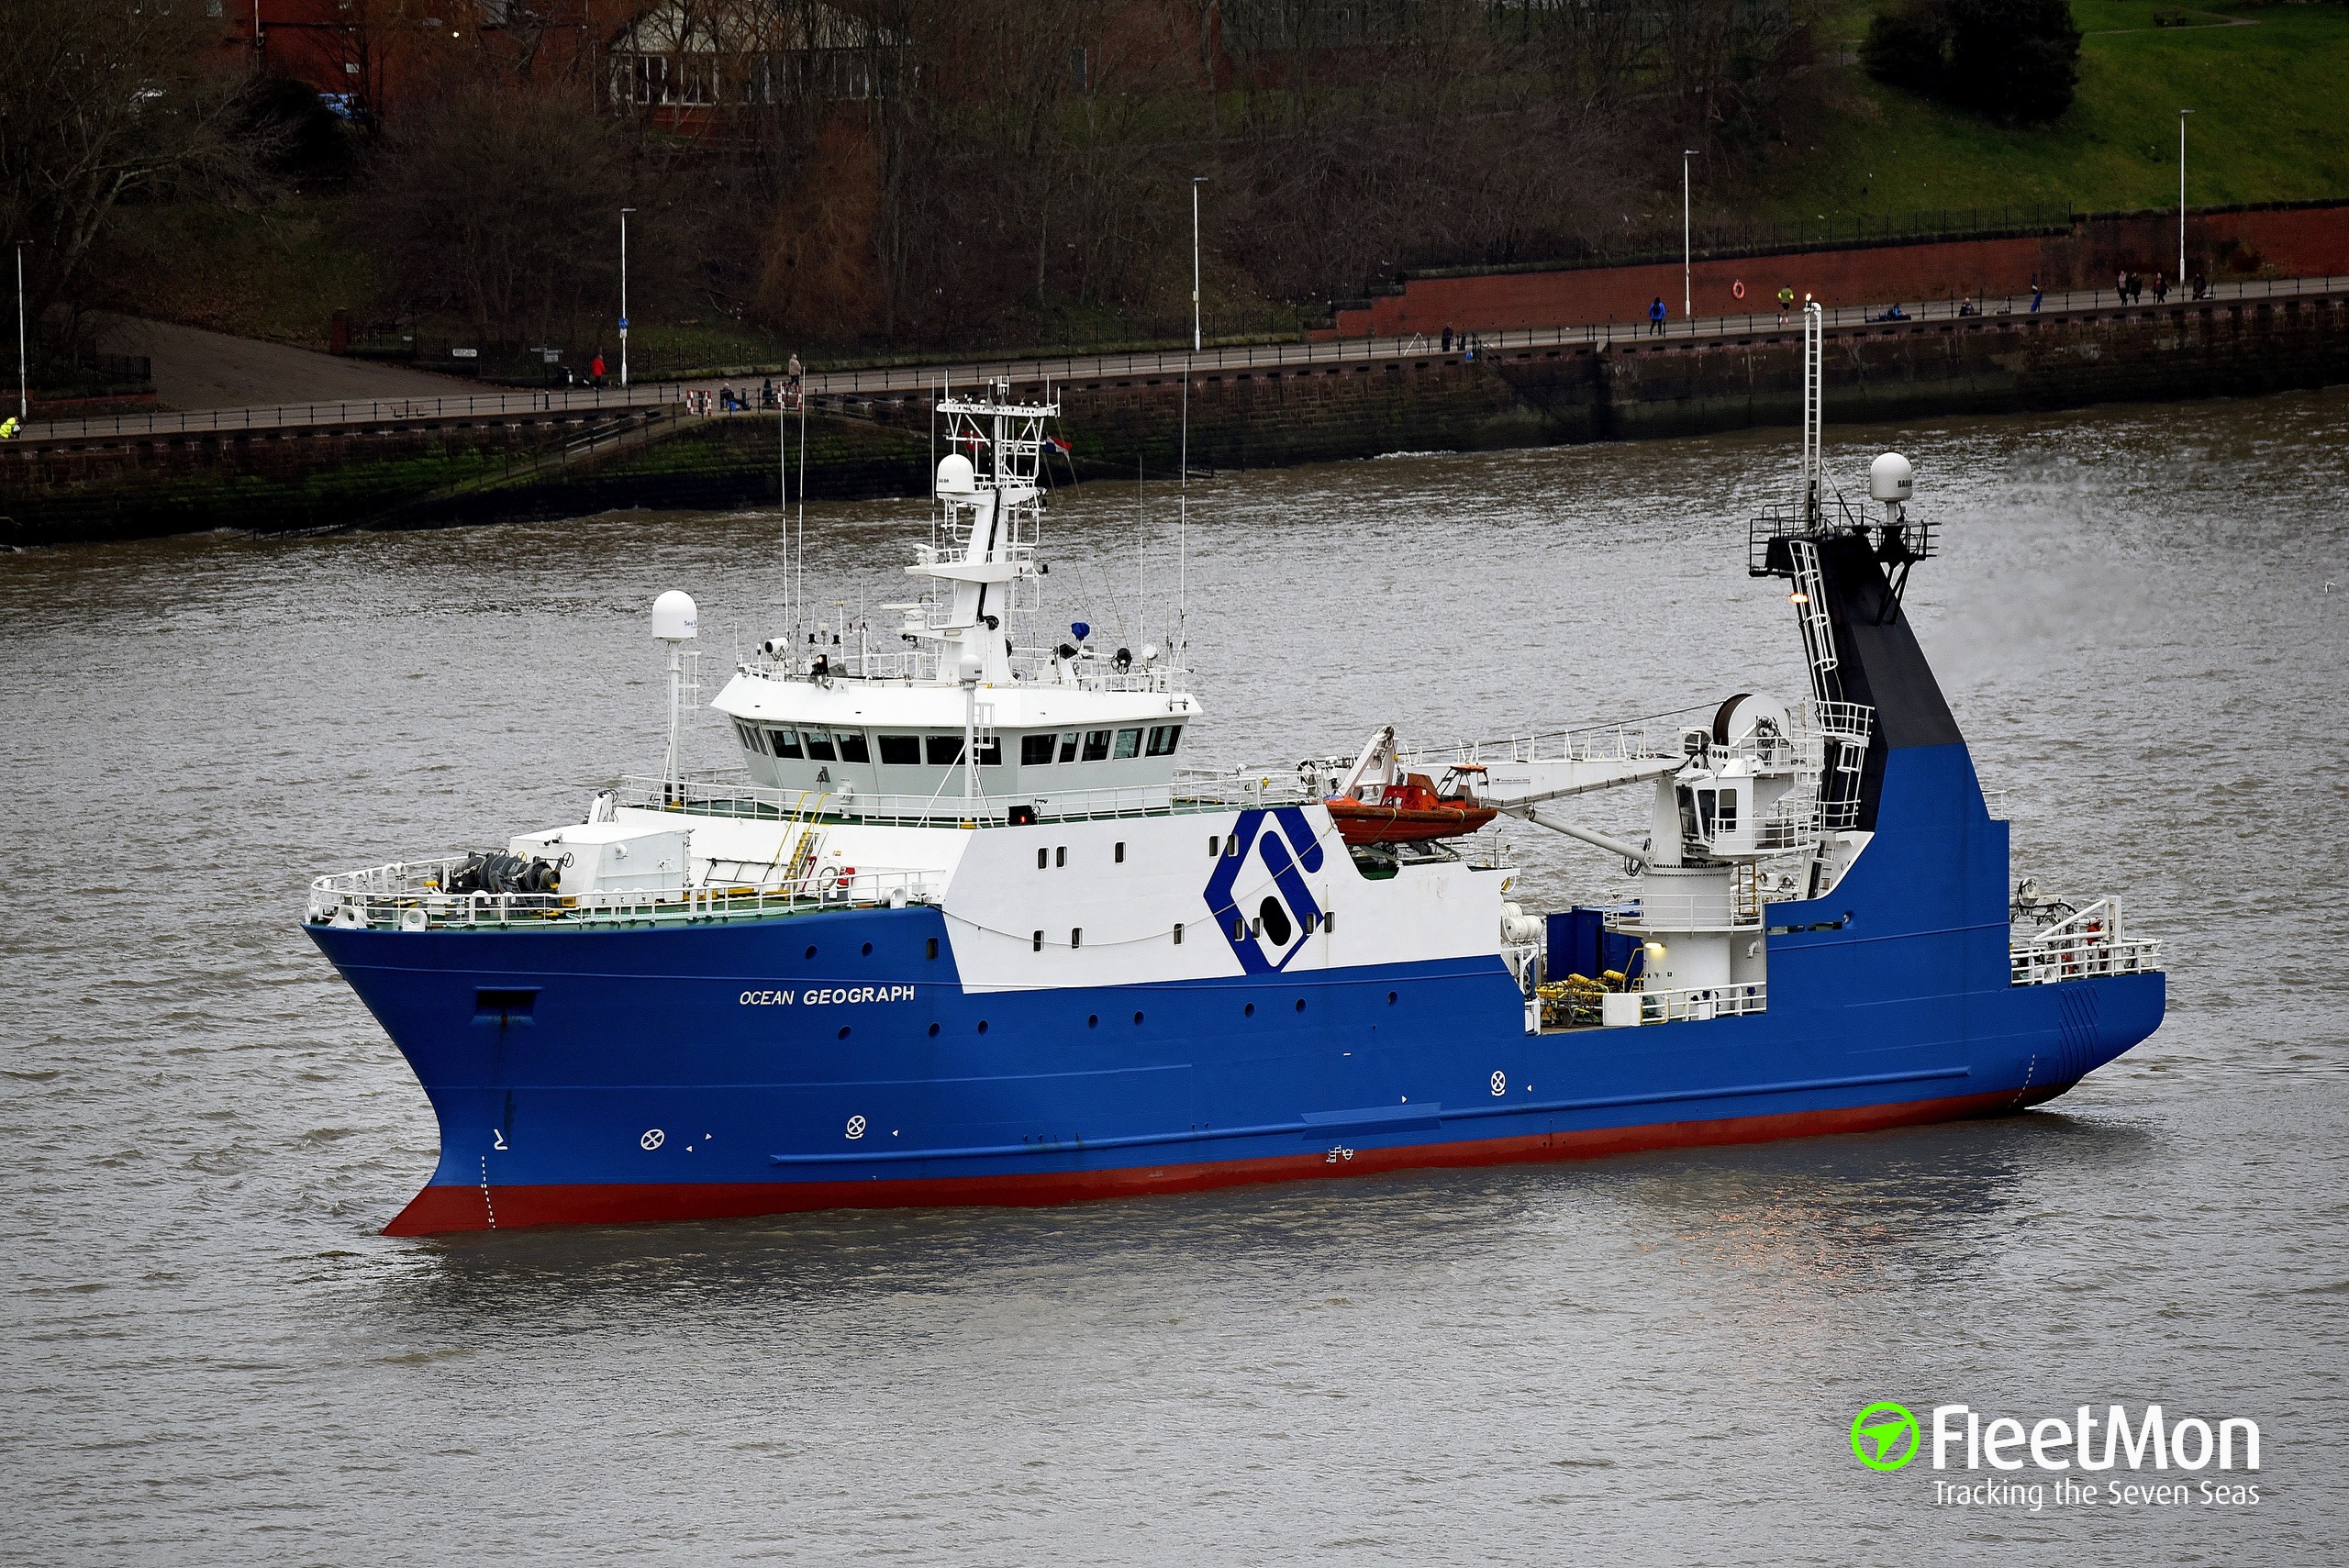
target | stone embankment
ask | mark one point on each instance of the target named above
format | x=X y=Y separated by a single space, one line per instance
x=869 y=435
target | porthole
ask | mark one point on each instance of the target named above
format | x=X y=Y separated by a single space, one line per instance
x=1043 y=858
x=932 y=948
x=843 y=1031
x=868 y=950
x=933 y=1031
x=1249 y=1011
x=1390 y=999
x=811 y=952
x=1137 y=1018
x=1060 y=855
x=1300 y=1004
x=983 y=1026
x=1215 y=846
x=1093 y=1020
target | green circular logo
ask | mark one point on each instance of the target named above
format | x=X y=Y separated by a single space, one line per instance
x=1884 y=1436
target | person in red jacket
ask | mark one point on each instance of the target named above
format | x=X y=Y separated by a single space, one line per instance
x=595 y=372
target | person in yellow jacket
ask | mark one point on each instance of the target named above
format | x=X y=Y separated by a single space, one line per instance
x=1786 y=300
x=8 y=428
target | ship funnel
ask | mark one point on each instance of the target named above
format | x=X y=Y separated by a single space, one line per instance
x=673 y=618
x=1891 y=479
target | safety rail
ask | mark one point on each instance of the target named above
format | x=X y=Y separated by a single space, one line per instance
x=415 y=895
x=1694 y=1003
x=1190 y=793
x=1669 y=912
x=1030 y=666
x=2087 y=944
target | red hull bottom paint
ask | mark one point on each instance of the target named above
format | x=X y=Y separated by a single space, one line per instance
x=439 y=1209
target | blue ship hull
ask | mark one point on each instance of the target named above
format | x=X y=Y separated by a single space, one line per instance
x=609 y=1075
x=838 y=1058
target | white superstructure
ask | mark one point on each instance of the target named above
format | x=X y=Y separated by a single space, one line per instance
x=969 y=711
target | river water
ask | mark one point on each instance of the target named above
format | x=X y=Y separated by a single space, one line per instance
x=210 y=1354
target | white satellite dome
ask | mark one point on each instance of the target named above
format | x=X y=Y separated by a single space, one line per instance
x=955 y=475
x=675 y=619
x=1891 y=479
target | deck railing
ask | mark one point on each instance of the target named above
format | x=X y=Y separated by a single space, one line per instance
x=416 y=895
x=2090 y=942
x=1698 y=1002
x=1189 y=793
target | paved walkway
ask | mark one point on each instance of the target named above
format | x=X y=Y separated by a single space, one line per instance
x=424 y=396
x=198 y=370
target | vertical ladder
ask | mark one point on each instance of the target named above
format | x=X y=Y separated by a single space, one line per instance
x=1814 y=339
x=1818 y=633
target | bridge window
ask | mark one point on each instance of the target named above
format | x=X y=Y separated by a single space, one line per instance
x=1128 y=743
x=1162 y=738
x=820 y=745
x=852 y=747
x=1096 y=745
x=1068 y=747
x=944 y=751
x=786 y=742
x=901 y=751
x=1036 y=750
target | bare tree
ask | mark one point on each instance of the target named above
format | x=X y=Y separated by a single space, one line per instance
x=104 y=102
x=501 y=207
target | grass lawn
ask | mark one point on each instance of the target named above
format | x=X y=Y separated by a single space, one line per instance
x=2270 y=122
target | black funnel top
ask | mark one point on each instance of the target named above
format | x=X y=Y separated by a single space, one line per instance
x=1880 y=662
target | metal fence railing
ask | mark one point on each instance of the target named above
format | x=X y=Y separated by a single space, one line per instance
x=836 y=388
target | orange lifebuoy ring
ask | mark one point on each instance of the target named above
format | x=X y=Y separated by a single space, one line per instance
x=1737 y=289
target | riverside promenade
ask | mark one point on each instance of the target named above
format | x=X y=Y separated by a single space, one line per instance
x=836 y=388
x=866 y=432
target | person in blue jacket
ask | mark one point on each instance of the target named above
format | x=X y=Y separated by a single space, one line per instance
x=1656 y=317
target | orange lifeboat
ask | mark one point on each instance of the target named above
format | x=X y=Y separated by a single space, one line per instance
x=1412 y=809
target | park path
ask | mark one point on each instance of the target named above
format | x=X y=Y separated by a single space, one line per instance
x=195 y=370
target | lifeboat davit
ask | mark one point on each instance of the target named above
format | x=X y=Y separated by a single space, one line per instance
x=1412 y=809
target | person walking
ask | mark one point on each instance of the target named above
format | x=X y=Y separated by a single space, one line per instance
x=791 y=374
x=1786 y=300
x=595 y=372
x=2035 y=295
x=1656 y=317
x=766 y=394
x=2161 y=287
x=1447 y=337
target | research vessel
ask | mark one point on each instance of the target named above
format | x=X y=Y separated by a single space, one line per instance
x=965 y=929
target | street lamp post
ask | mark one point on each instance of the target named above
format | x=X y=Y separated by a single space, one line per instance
x=624 y=212
x=23 y=397
x=2181 y=196
x=1196 y=181
x=1687 y=254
